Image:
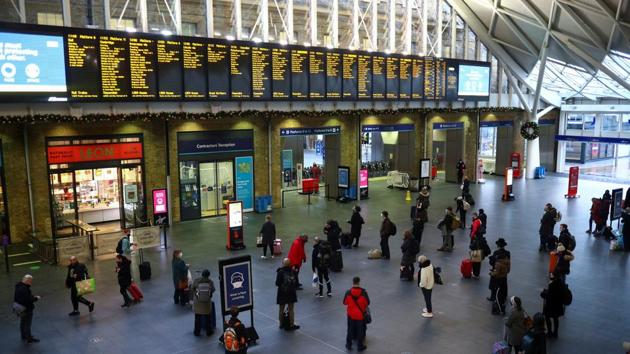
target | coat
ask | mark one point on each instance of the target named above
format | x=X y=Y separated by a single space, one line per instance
x=409 y=251
x=426 y=279
x=424 y=202
x=24 y=297
x=539 y=345
x=446 y=224
x=78 y=269
x=515 y=327
x=356 y=223
x=124 y=273
x=356 y=301
x=268 y=232
x=387 y=228
x=288 y=296
x=296 y=252
x=475 y=228
x=548 y=222
x=332 y=235
x=202 y=308
x=180 y=271
x=564 y=262
x=554 y=299
x=484 y=221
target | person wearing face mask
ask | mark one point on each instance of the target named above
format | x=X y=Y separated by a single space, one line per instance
x=180 y=278
x=356 y=223
x=446 y=225
x=387 y=229
x=515 y=325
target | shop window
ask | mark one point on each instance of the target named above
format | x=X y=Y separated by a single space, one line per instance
x=573 y=151
x=49 y=18
x=589 y=122
x=575 y=121
x=610 y=123
x=625 y=123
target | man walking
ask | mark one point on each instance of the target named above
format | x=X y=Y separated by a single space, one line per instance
x=268 y=233
x=76 y=273
x=25 y=298
x=387 y=229
x=287 y=283
x=357 y=302
x=321 y=260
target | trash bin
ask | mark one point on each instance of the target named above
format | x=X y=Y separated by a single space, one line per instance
x=263 y=204
x=539 y=172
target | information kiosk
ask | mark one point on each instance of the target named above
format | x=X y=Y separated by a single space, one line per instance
x=235 y=226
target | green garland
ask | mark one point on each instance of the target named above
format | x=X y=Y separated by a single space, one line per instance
x=173 y=116
x=530 y=130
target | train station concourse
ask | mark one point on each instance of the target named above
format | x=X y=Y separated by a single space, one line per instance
x=454 y=173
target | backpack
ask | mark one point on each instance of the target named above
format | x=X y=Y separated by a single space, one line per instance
x=572 y=243
x=325 y=252
x=437 y=275
x=558 y=216
x=119 y=246
x=393 y=229
x=230 y=339
x=289 y=282
x=567 y=297
x=203 y=292
x=466 y=205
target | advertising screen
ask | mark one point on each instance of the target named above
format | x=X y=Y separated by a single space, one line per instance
x=363 y=178
x=159 y=201
x=235 y=214
x=474 y=80
x=32 y=65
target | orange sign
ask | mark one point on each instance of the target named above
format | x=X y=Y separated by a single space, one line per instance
x=96 y=152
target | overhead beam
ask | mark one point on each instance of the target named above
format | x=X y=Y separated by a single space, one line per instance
x=584 y=27
x=107 y=13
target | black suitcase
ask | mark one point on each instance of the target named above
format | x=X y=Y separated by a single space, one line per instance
x=145 y=270
x=346 y=240
x=406 y=273
x=336 y=262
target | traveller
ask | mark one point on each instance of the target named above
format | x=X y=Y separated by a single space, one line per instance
x=477 y=254
x=124 y=246
x=321 y=258
x=409 y=250
x=268 y=234
x=566 y=239
x=475 y=228
x=422 y=204
x=298 y=256
x=499 y=269
x=534 y=341
x=333 y=232
x=180 y=278
x=25 y=298
x=426 y=280
x=77 y=272
x=484 y=221
x=287 y=283
x=593 y=214
x=466 y=188
x=460 y=166
x=462 y=209
x=202 y=289
x=553 y=308
x=235 y=336
x=515 y=325
x=123 y=271
x=316 y=173
x=446 y=225
x=625 y=230
x=563 y=267
x=357 y=301
x=356 y=223
x=604 y=211
x=547 y=224
x=387 y=229
x=417 y=229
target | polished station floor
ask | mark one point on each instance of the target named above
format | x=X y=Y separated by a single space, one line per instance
x=597 y=321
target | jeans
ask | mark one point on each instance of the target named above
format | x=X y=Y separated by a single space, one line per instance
x=356 y=331
x=427 y=299
x=322 y=274
x=385 y=247
x=448 y=241
x=180 y=296
x=25 y=324
x=556 y=323
x=265 y=245
x=206 y=319
x=75 y=298
x=123 y=292
x=291 y=313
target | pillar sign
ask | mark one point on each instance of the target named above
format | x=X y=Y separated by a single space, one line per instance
x=574 y=174
x=507 y=185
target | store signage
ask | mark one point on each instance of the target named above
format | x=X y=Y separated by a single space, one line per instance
x=235 y=214
x=617 y=202
x=388 y=128
x=95 y=152
x=363 y=178
x=245 y=181
x=593 y=139
x=209 y=142
x=235 y=276
x=574 y=175
x=146 y=237
x=454 y=125
x=73 y=246
x=310 y=131
x=496 y=123
x=160 y=202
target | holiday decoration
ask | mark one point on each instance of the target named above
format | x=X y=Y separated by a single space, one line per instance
x=530 y=130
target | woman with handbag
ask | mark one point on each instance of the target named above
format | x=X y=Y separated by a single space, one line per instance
x=180 y=278
x=515 y=325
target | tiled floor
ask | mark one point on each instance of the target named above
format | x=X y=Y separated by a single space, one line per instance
x=596 y=322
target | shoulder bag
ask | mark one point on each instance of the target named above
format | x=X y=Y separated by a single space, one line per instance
x=367 y=316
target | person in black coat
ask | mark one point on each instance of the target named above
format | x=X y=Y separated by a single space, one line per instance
x=498 y=275
x=332 y=232
x=268 y=233
x=409 y=250
x=466 y=187
x=553 y=307
x=24 y=297
x=123 y=270
x=356 y=223
x=484 y=221
x=547 y=224
x=321 y=250
x=460 y=166
x=287 y=283
x=77 y=272
x=625 y=230
x=462 y=212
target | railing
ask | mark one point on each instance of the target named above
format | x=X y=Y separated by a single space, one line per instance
x=43 y=249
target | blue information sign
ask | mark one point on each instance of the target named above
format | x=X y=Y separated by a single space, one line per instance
x=310 y=131
x=245 y=181
x=497 y=123
x=236 y=283
x=593 y=139
x=453 y=125
x=388 y=128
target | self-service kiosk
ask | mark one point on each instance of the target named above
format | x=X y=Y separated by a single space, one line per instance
x=515 y=163
x=235 y=226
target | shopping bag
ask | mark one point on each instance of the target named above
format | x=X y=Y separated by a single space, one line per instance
x=86 y=286
x=315 y=282
x=259 y=241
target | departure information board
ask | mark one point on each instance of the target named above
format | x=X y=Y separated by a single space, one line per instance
x=299 y=73
x=349 y=76
x=169 y=60
x=142 y=68
x=281 y=73
x=451 y=80
x=240 y=71
x=218 y=71
x=378 y=77
x=417 y=79
x=317 y=74
x=194 y=63
x=83 y=68
x=261 y=73
x=429 y=78
x=334 y=77
x=364 y=77
x=404 y=78
x=114 y=63
x=391 y=74
x=440 y=79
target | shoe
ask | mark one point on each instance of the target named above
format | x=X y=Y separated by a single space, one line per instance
x=126 y=304
x=91 y=306
x=273 y=256
x=490 y=299
x=441 y=249
x=74 y=313
x=427 y=315
x=424 y=310
x=329 y=294
x=448 y=250
x=362 y=348
x=319 y=295
x=196 y=334
x=263 y=257
x=32 y=340
x=355 y=245
x=293 y=328
x=588 y=231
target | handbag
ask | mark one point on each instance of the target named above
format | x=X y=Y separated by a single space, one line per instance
x=86 y=286
x=18 y=309
x=315 y=282
x=259 y=241
x=528 y=322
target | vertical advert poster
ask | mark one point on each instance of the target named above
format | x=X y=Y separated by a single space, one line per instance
x=245 y=181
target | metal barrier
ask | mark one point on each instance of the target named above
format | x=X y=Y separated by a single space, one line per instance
x=326 y=187
x=43 y=249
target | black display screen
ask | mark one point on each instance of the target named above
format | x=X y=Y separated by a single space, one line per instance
x=299 y=73
x=378 y=77
x=392 y=75
x=440 y=79
x=405 y=78
x=218 y=71
x=194 y=64
x=452 y=70
x=240 y=71
x=169 y=60
x=350 y=76
x=317 y=74
x=281 y=73
x=364 y=77
x=114 y=67
x=417 y=78
x=334 y=78
x=261 y=73
x=83 y=70
x=429 y=78
x=142 y=67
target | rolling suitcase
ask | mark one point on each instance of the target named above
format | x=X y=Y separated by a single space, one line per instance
x=145 y=270
x=213 y=318
x=277 y=247
x=336 y=262
x=501 y=348
x=135 y=292
x=466 y=268
x=406 y=273
x=346 y=240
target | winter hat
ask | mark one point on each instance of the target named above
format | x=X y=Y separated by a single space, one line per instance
x=501 y=242
x=560 y=248
x=422 y=259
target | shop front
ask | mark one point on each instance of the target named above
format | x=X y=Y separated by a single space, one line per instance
x=97 y=180
x=215 y=167
x=4 y=215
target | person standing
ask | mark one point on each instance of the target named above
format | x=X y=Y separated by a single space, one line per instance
x=604 y=212
x=565 y=238
x=499 y=268
x=333 y=232
x=547 y=224
x=553 y=307
x=356 y=224
x=76 y=273
x=202 y=289
x=593 y=214
x=123 y=271
x=387 y=229
x=563 y=267
x=460 y=166
x=426 y=280
x=422 y=204
x=180 y=278
x=475 y=228
x=446 y=225
x=484 y=221
x=297 y=256
x=287 y=283
x=625 y=230
x=515 y=325
x=321 y=258
x=466 y=188
x=534 y=341
x=235 y=331
x=268 y=234
x=477 y=254
x=357 y=301
x=409 y=250
x=25 y=297
x=462 y=209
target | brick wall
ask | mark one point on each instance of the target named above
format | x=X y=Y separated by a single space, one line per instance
x=16 y=182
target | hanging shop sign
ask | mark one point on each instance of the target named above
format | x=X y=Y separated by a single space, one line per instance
x=310 y=131
x=453 y=125
x=211 y=142
x=245 y=181
x=593 y=139
x=496 y=123
x=94 y=152
x=387 y=128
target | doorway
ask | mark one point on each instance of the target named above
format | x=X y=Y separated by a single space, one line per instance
x=205 y=188
x=495 y=145
x=448 y=148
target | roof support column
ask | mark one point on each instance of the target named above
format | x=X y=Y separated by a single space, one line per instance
x=312 y=22
x=210 y=18
x=440 y=28
x=142 y=9
x=391 y=45
x=335 y=24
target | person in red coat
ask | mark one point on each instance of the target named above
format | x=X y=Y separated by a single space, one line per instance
x=476 y=226
x=297 y=256
x=357 y=302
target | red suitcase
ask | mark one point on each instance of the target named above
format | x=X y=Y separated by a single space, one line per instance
x=466 y=268
x=277 y=247
x=135 y=292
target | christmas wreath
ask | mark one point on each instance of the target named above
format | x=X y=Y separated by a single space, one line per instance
x=530 y=130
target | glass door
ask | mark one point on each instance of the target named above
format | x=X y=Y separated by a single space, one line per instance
x=63 y=199
x=208 y=187
x=133 y=207
x=225 y=176
x=189 y=190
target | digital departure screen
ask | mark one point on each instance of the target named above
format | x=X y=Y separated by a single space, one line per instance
x=317 y=74
x=281 y=76
x=194 y=64
x=142 y=68
x=83 y=68
x=474 y=80
x=429 y=78
x=299 y=73
x=218 y=71
x=114 y=67
x=391 y=73
x=261 y=73
x=334 y=77
x=451 y=80
x=378 y=77
x=169 y=60
x=440 y=79
x=349 y=76
x=364 y=77
x=405 y=81
x=417 y=79
x=240 y=71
